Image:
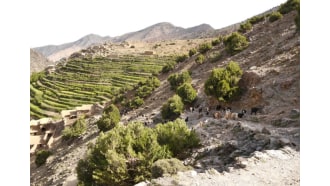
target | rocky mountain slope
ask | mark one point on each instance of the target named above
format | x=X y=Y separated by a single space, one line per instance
x=261 y=149
x=157 y=32
x=56 y=52
x=165 y=31
x=38 y=62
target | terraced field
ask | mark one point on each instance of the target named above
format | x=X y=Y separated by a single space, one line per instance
x=83 y=81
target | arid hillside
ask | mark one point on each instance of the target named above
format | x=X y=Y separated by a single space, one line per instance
x=38 y=62
x=260 y=149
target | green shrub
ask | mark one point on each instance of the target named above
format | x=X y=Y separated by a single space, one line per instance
x=223 y=82
x=187 y=93
x=235 y=43
x=167 y=166
x=77 y=129
x=288 y=6
x=275 y=16
x=177 y=136
x=122 y=156
x=245 y=27
x=172 y=108
x=215 y=42
x=136 y=102
x=110 y=118
x=143 y=91
x=200 y=59
x=176 y=79
x=181 y=58
x=168 y=67
x=145 y=88
x=256 y=19
x=41 y=157
x=192 y=52
x=203 y=48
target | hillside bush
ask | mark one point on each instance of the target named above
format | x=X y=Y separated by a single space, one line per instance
x=172 y=108
x=289 y=6
x=203 y=48
x=177 y=137
x=275 y=16
x=122 y=156
x=244 y=27
x=223 y=82
x=176 y=79
x=181 y=58
x=136 y=102
x=187 y=93
x=200 y=59
x=256 y=19
x=110 y=118
x=78 y=128
x=192 y=52
x=235 y=43
x=41 y=157
x=146 y=87
x=168 y=67
x=215 y=42
x=164 y=167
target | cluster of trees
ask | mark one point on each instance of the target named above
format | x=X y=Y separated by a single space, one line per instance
x=177 y=79
x=128 y=155
x=143 y=90
x=185 y=93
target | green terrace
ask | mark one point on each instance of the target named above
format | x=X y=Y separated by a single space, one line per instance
x=87 y=81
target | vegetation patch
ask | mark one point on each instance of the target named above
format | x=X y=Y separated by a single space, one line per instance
x=235 y=43
x=223 y=82
x=41 y=157
x=275 y=16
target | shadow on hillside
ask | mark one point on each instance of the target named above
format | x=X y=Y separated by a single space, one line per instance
x=242 y=144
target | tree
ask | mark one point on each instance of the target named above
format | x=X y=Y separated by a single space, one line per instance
x=110 y=118
x=235 y=43
x=187 y=93
x=172 y=108
x=177 y=136
x=223 y=82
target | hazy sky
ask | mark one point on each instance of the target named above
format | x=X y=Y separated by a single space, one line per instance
x=62 y=21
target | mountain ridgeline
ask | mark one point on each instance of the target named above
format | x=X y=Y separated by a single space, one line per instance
x=157 y=32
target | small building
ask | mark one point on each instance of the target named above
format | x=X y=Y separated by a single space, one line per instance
x=43 y=132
